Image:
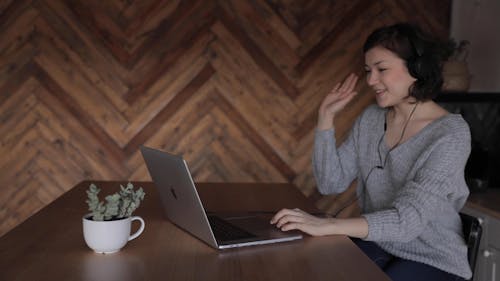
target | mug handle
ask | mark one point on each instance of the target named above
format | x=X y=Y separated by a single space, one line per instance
x=141 y=229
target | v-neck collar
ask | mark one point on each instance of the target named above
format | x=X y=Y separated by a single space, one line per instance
x=418 y=134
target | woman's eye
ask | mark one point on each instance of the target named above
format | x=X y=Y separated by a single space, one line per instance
x=367 y=71
x=382 y=69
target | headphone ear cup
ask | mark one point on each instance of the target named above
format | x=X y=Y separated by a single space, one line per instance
x=415 y=66
x=415 y=63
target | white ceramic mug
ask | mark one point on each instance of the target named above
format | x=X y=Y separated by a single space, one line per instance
x=107 y=237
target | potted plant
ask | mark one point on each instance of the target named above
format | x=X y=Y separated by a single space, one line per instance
x=107 y=228
x=456 y=76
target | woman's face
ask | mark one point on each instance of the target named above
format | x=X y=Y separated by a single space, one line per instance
x=388 y=75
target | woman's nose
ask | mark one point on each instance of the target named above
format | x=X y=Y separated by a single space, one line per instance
x=371 y=78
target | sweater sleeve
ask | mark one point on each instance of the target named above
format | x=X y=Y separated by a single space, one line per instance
x=334 y=168
x=435 y=183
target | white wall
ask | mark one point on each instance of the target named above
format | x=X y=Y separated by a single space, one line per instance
x=479 y=22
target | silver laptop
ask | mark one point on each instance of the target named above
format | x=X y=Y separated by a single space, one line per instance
x=184 y=208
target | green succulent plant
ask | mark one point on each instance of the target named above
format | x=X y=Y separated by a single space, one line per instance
x=117 y=206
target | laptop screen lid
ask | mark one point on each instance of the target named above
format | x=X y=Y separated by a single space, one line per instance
x=182 y=204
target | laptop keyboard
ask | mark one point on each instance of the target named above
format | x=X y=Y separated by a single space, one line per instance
x=224 y=231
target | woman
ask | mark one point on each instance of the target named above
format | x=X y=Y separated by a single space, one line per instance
x=408 y=155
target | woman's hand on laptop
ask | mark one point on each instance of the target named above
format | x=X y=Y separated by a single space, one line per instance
x=289 y=219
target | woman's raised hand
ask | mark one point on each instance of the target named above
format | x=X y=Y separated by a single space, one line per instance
x=335 y=101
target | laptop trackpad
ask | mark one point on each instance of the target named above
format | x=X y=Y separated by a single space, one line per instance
x=258 y=225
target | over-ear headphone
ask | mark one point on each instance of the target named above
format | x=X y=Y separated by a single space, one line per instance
x=416 y=62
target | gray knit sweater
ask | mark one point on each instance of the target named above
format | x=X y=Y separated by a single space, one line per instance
x=412 y=204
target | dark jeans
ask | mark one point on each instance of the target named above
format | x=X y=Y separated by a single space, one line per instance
x=401 y=269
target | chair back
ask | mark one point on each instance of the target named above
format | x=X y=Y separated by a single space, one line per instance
x=472 y=234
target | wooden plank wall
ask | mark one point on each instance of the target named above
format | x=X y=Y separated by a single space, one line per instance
x=232 y=85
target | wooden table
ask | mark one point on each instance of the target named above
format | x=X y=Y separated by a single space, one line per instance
x=50 y=245
x=487 y=202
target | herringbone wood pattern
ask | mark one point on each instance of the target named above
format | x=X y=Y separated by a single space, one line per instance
x=232 y=85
